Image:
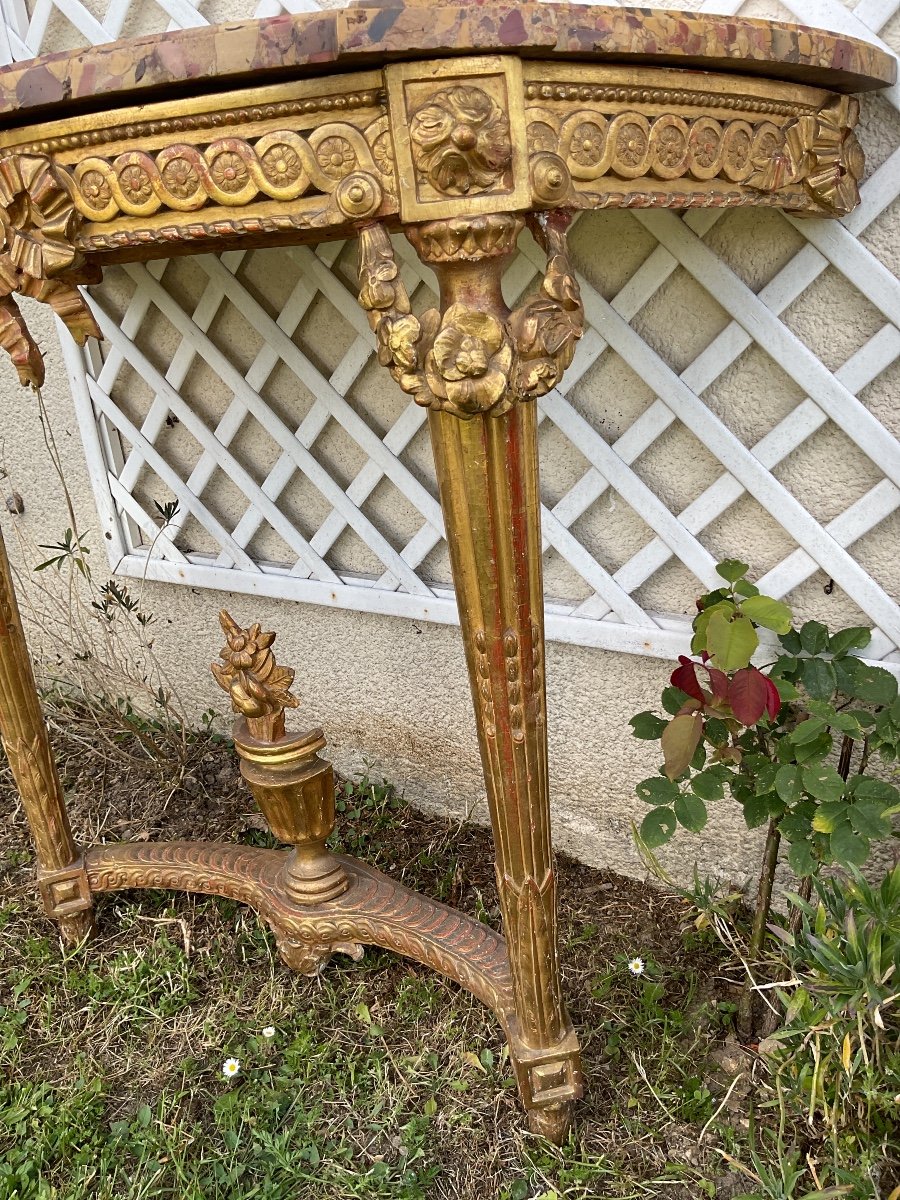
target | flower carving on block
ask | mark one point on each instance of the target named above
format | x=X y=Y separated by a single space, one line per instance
x=39 y=225
x=588 y=144
x=281 y=165
x=229 y=171
x=136 y=184
x=468 y=366
x=258 y=686
x=631 y=145
x=181 y=178
x=461 y=141
x=336 y=157
x=96 y=189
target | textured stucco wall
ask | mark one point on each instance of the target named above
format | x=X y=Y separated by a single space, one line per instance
x=392 y=693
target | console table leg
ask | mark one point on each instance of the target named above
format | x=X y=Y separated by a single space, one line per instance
x=479 y=369
x=61 y=875
x=488 y=475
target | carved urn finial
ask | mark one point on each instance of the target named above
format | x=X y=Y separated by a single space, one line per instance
x=258 y=686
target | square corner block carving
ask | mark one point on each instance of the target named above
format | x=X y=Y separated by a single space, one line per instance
x=459 y=137
x=65 y=892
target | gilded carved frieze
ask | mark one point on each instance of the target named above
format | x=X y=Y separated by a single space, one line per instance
x=605 y=146
x=454 y=149
x=335 y=160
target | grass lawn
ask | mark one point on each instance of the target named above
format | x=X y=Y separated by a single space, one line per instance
x=381 y=1079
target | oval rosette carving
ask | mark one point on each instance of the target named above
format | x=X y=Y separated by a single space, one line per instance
x=135 y=184
x=233 y=171
x=93 y=194
x=629 y=136
x=669 y=149
x=183 y=177
x=543 y=137
x=585 y=145
x=705 y=148
x=337 y=151
x=285 y=163
x=381 y=147
x=460 y=141
x=737 y=151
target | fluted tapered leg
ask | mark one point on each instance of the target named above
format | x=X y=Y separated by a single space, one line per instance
x=61 y=876
x=487 y=470
x=479 y=368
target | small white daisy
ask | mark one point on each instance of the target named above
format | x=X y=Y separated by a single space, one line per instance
x=269 y=1031
x=636 y=966
x=231 y=1067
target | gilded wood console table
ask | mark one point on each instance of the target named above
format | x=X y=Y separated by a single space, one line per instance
x=457 y=124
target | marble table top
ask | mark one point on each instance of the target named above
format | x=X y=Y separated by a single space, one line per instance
x=214 y=58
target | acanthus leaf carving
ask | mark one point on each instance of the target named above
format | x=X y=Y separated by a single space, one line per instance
x=39 y=224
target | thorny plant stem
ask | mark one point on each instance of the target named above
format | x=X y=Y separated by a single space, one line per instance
x=760 y=922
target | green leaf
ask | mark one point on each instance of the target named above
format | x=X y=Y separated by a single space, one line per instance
x=864 y=788
x=679 y=741
x=844 y=722
x=791 y=642
x=731 y=643
x=786 y=689
x=674 y=700
x=823 y=782
x=732 y=569
x=849 y=639
x=772 y=614
x=867 y=819
x=756 y=811
x=829 y=816
x=702 y=620
x=816 y=750
x=865 y=682
x=813 y=637
x=801 y=858
x=647 y=726
x=708 y=785
x=849 y=848
x=806 y=731
x=657 y=790
x=716 y=732
x=657 y=827
x=796 y=825
x=818 y=677
x=789 y=784
x=744 y=587
x=691 y=812
x=765 y=777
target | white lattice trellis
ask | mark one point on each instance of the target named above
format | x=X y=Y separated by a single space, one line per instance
x=289 y=483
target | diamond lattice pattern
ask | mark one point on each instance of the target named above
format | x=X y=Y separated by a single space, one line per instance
x=734 y=393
